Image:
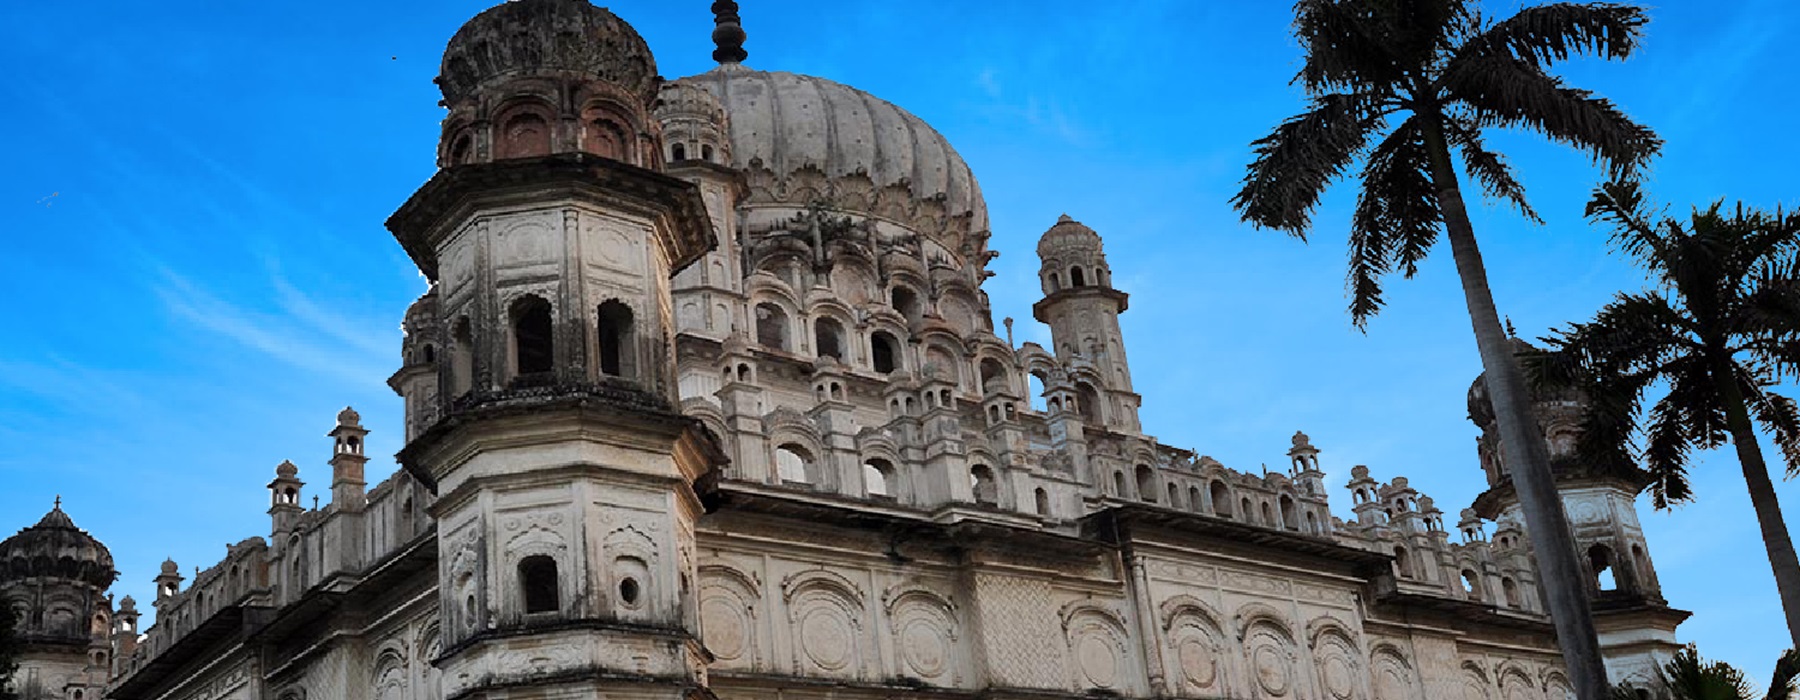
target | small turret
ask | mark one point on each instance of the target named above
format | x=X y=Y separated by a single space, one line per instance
x=168 y=582
x=284 y=498
x=347 y=460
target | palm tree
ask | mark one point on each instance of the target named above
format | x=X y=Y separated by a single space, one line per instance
x=1721 y=331
x=1444 y=74
x=1689 y=677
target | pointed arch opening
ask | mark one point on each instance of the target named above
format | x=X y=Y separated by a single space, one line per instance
x=538 y=584
x=616 y=342
x=534 y=345
x=884 y=352
x=986 y=489
x=771 y=326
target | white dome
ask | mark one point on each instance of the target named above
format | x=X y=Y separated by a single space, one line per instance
x=787 y=123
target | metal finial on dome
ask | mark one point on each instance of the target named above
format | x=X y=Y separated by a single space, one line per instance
x=728 y=33
x=58 y=504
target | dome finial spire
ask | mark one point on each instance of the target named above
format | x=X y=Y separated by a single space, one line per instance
x=728 y=33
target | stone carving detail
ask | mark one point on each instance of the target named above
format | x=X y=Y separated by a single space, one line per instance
x=1020 y=632
x=391 y=675
x=825 y=613
x=924 y=627
x=1096 y=640
x=1335 y=657
x=1197 y=646
x=1269 y=651
x=1475 y=683
x=1516 y=684
x=1393 y=676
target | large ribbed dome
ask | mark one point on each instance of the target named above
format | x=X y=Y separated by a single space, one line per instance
x=787 y=123
x=535 y=37
x=55 y=548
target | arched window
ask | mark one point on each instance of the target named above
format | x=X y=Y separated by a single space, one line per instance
x=462 y=150
x=1089 y=403
x=1221 y=499
x=1194 y=502
x=1471 y=584
x=1290 y=518
x=1510 y=591
x=615 y=326
x=828 y=338
x=533 y=346
x=1119 y=484
x=524 y=134
x=884 y=352
x=1055 y=283
x=793 y=464
x=1600 y=558
x=677 y=152
x=1075 y=278
x=1036 y=390
x=981 y=481
x=601 y=137
x=1043 y=502
x=537 y=583
x=1268 y=516
x=771 y=327
x=1402 y=562
x=706 y=152
x=1146 y=484
x=878 y=478
x=993 y=376
x=907 y=303
x=1174 y=496
x=462 y=358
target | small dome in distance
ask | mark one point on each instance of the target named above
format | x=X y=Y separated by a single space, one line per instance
x=55 y=548
x=1068 y=236
x=170 y=567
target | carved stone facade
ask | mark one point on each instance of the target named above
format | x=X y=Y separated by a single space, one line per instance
x=705 y=397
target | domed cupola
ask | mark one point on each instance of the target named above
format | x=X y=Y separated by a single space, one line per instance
x=694 y=124
x=1072 y=256
x=534 y=77
x=55 y=549
x=803 y=141
x=1559 y=415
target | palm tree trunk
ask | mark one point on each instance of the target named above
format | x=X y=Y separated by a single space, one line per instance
x=1522 y=443
x=1762 y=492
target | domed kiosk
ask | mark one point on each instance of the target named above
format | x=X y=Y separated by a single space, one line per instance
x=53 y=578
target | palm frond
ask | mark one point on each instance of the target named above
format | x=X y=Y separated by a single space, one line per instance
x=1777 y=413
x=1787 y=671
x=1635 y=232
x=1633 y=333
x=1300 y=158
x=1396 y=219
x=1514 y=92
x=1556 y=31
x=1489 y=169
x=1346 y=47
x=1666 y=448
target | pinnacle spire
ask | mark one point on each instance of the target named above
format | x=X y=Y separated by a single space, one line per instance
x=728 y=33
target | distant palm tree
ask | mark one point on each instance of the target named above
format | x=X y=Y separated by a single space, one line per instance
x=1445 y=74
x=1689 y=677
x=1721 y=331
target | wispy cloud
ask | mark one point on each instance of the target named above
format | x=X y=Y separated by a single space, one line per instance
x=291 y=338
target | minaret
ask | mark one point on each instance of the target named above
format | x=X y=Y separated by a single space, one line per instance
x=1635 y=624
x=348 y=488
x=1082 y=309
x=284 y=499
x=563 y=471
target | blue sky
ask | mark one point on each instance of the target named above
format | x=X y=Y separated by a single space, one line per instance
x=199 y=278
